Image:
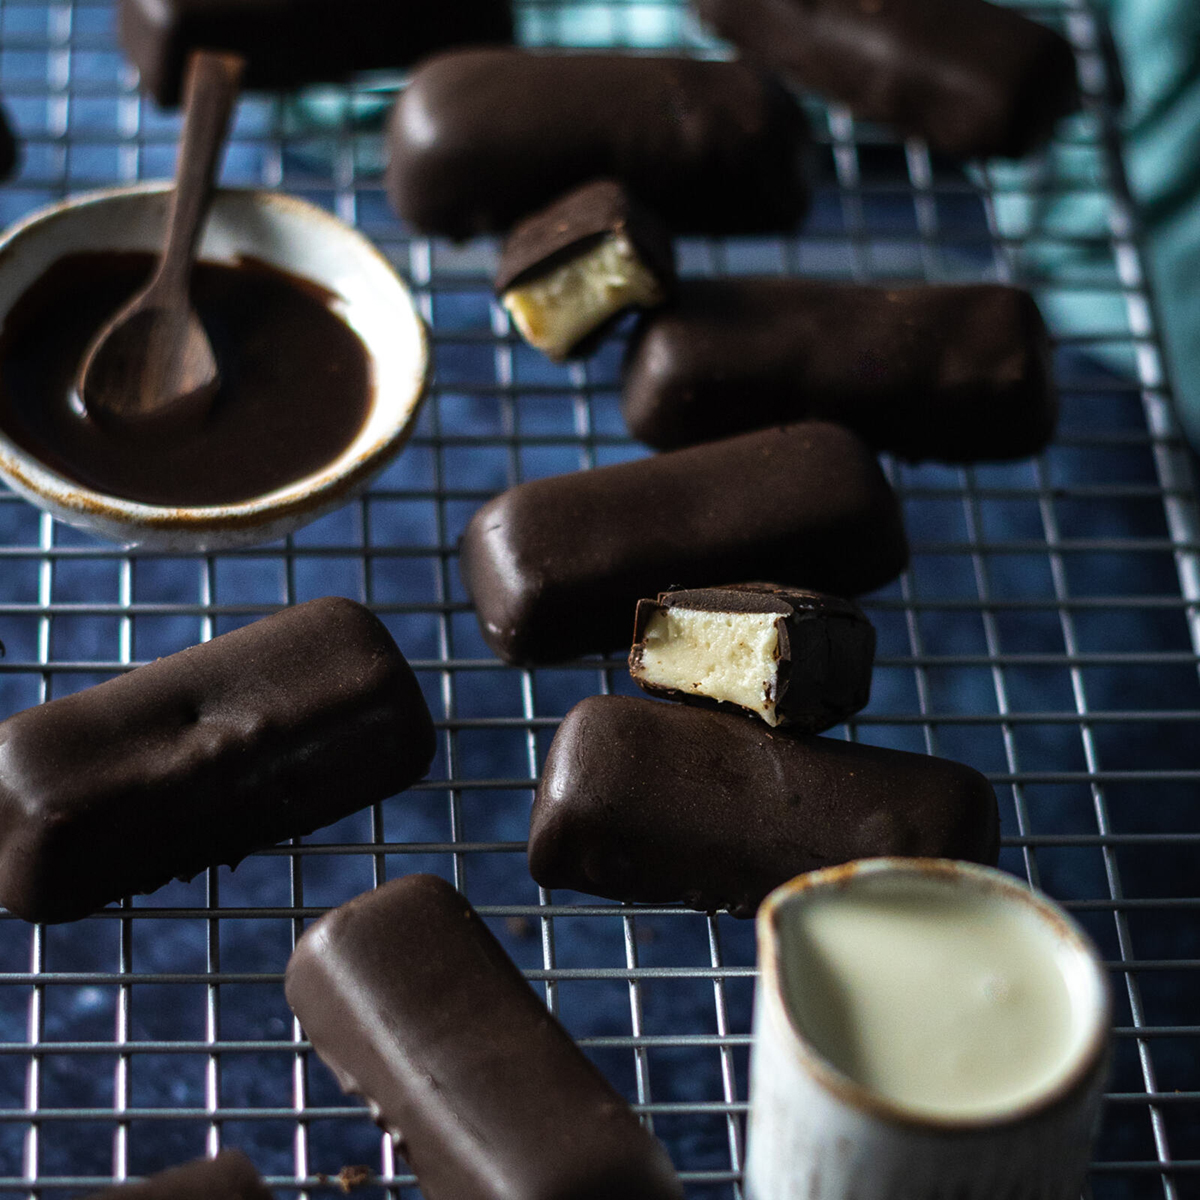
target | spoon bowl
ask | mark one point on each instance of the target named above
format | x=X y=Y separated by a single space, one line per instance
x=144 y=352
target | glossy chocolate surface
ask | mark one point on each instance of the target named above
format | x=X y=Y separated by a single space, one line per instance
x=957 y=373
x=291 y=42
x=414 y=1005
x=483 y=138
x=555 y=567
x=229 y=1176
x=575 y=223
x=665 y=802
x=826 y=649
x=296 y=382
x=195 y=760
x=970 y=77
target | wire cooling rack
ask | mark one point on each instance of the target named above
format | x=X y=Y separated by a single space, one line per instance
x=1046 y=633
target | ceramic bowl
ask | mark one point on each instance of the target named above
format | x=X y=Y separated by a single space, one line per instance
x=289 y=234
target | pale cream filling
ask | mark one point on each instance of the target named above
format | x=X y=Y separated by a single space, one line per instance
x=558 y=310
x=726 y=656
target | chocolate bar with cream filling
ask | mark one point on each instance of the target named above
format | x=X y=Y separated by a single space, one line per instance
x=482 y=138
x=264 y=733
x=661 y=803
x=972 y=78
x=229 y=1176
x=412 y=1003
x=959 y=373
x=792 y=657
x=555 y=567
x=287 y=43
x=567 y=271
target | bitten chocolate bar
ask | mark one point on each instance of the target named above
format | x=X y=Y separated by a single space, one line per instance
x=195 y=760
x=229 y=1176
x=568 y=270
x=970 y=77
x=291 y=42
x=957 y=373
x=482 y=138
x=669 y=803
x=555 y=567
x=414 y=1006
x=792 y=657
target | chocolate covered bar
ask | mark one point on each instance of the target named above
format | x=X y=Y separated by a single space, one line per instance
x=568 y=270
x=957 y=373
x=660 y=803
x=970 y=77
x=555 y=567
x=414 y=1006
x=482 y=138
x=229 y=1176
x=291 y=42
x=195 y=760
x=792 y=657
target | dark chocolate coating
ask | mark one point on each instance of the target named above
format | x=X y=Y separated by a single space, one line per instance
x=826 y=649
x=229 y=1176
x=195 y=760
x=971 y=78
x=574 y=224
x=291 y=42
x=482 y=138
x=555 y=567
x=414 y=1005
x=957 y=373
x=960 y=373
x=664 y=802
x=8 y=146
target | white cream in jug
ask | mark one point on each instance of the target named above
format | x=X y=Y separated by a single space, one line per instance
x=948 y=1001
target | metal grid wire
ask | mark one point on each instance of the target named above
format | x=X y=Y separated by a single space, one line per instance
x=1046 y=633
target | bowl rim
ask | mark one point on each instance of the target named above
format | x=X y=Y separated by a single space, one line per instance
x=322 y=489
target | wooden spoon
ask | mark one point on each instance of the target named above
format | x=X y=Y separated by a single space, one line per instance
x=151 y=369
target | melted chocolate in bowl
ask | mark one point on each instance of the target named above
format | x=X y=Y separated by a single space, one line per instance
x=296 y=382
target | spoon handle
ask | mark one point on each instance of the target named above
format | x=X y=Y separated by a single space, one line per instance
x=210 y=94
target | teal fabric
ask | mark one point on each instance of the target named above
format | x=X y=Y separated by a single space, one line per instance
x=1056 y=207
x=1159 y=46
